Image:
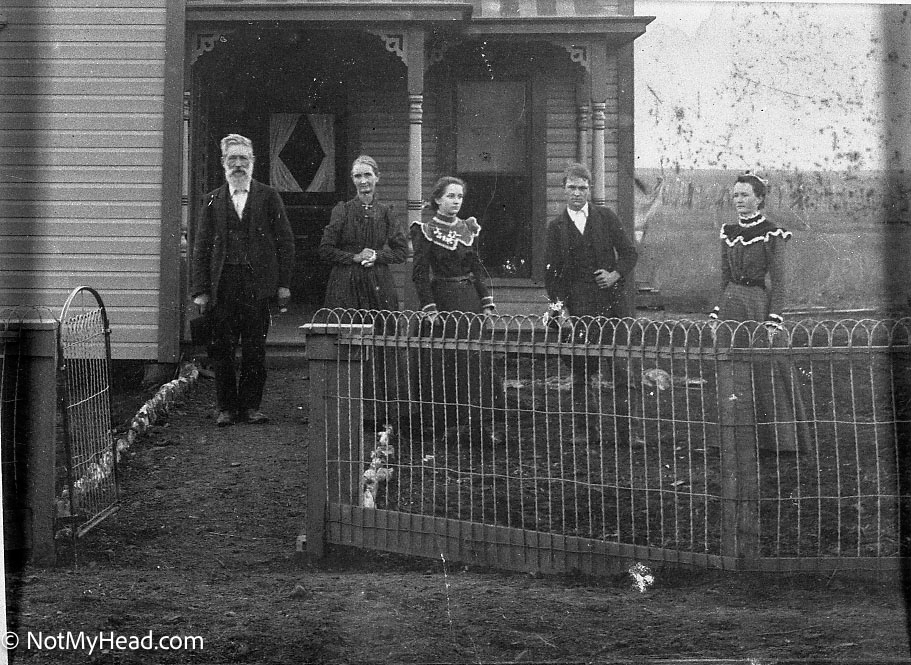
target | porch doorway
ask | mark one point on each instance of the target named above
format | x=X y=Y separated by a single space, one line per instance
x=501 y=204
x=289 y=90
x=492 y=128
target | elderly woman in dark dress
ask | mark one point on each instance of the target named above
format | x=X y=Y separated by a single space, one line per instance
x=362 y=239
x=451 y=286
x=753 y=289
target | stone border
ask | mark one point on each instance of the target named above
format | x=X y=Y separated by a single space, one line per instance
x=150 y=412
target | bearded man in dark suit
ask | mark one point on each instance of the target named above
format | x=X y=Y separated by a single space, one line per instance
x=589 y=257
x=243 y=256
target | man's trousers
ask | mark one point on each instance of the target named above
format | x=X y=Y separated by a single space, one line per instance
x=239 y=318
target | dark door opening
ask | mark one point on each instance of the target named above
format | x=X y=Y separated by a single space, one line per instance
x=502 y=205
x=280 y=88
x=492 y=127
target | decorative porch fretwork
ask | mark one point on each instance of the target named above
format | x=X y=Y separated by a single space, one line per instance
x=578 y=54
x=396 y=43
x=204 y=42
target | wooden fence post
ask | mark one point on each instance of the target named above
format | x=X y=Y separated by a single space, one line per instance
x=29 y=450
x=335 y=421
x=739 y=482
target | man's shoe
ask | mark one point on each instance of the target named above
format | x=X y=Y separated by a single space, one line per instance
x=255 y=416
x=224 y=419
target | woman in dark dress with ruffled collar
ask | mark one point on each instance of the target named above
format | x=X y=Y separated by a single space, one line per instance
x=752 y=258
x=451 y=286
x=361 y=240
x=447 y=273
x=753 y=284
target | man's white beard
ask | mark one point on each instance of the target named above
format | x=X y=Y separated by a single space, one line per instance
x=241 y=180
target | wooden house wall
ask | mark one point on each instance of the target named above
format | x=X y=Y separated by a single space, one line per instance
x=81 y=137
x=379 y=127
x=561 y=130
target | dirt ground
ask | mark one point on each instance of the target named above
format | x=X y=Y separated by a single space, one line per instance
x=204 y=546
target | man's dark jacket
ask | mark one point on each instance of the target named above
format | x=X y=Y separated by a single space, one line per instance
x=605 y=240
x=270 y=241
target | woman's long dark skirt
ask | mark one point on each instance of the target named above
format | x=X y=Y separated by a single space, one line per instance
x=781 y=420
x=456 y=387
x=382 y=374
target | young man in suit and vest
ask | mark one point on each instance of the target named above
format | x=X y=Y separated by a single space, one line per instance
x=243 y=256
x=589 y=258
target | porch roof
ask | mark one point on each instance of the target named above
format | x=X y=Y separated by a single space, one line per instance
x=619 y=29
x=480 y=17
x=327 y=11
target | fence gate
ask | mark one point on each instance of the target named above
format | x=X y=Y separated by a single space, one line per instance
x=92 y=491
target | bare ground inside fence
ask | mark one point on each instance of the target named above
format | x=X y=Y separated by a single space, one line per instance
x=204 y=545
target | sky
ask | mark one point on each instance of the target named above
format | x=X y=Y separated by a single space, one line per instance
x=772 y=85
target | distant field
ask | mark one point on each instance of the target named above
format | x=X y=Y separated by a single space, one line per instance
x=850 y=250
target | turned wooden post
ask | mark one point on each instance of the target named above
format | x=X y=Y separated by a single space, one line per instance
x=584 y=117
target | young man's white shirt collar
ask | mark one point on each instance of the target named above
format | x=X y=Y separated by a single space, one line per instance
x=579 y=217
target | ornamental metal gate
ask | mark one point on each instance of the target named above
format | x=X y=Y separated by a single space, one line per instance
x=92 y=488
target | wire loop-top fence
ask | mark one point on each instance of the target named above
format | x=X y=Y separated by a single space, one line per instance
x=92 y=489
x=723 y=444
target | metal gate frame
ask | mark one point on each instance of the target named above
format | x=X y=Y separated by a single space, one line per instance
x=93 y=486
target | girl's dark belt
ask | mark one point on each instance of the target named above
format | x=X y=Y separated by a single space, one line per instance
x=750 y=282
x=460 y=278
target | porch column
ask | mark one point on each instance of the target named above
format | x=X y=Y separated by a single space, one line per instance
x=599 y=196
x=584 y=118
x=599 y=74
x=415 y=156
x=585 y=127
x=414 y=60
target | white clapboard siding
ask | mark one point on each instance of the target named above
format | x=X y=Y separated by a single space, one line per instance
x=122 y=305
x=105 y=229
x=138 y=69
x=117 y=52
x=89 y=13
x=82 y=94
x=134 y=175
x=61 y=138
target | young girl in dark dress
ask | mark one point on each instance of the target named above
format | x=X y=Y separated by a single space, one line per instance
x=447 y=272
x=451 y=286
